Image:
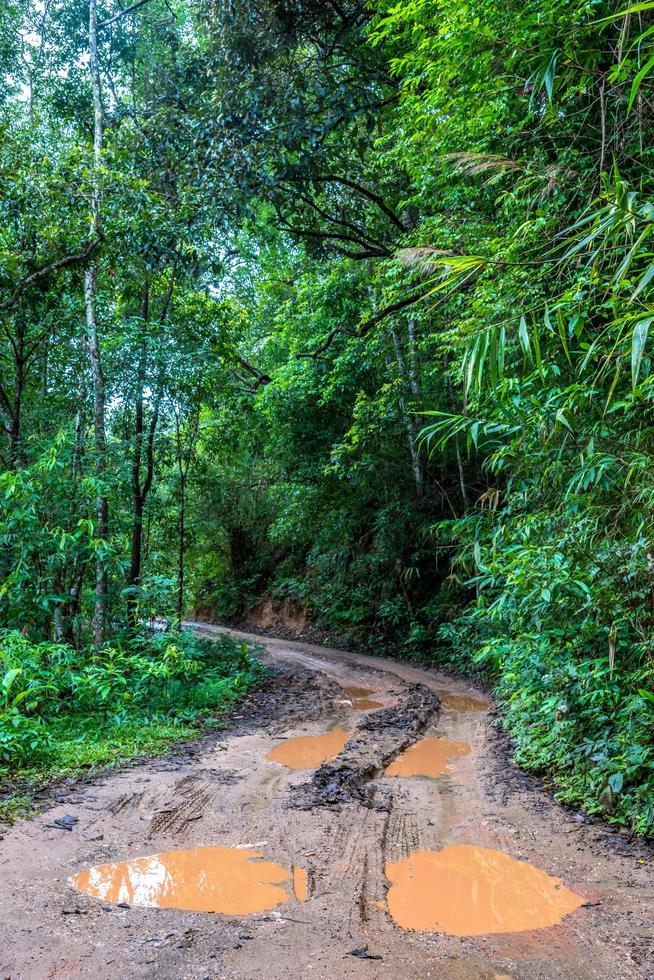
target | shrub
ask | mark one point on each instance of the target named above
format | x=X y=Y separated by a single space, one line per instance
x=163 y=676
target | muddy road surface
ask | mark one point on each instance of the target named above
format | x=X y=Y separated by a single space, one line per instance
x=358 y=818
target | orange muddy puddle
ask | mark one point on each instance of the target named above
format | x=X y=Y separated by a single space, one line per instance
x=462 y=702
x=230 y=880
x=471 y=891
x=300 y=883
x=361 y=700
x=309 y=751
x=428 y=757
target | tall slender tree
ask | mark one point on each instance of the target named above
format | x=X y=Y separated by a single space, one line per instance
x=93 y=335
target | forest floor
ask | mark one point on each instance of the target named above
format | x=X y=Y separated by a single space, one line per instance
x=344 y=824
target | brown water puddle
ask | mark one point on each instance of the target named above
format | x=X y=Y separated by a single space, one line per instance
x=361 y=700
x=230 y=880
x=462 y=702
x=427 y=757
x=300 y=883
x=471 y=891
x=309 y=751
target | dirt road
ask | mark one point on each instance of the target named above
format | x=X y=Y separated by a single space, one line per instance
x=336 y=832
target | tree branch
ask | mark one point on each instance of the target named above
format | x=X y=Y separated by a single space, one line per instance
x=47 y=270
x=6 y=404
x=375 y=198
x=360 y=232
x=259 y=378
x=334 y=236
x=122 y=13
x=366 y=326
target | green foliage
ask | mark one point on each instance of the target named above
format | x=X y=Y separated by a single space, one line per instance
x=374 y=298
x=146 y=680
x=550 y=345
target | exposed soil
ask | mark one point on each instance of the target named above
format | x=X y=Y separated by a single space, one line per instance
x=336 y=830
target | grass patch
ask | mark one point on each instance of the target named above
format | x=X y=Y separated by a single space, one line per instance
x=168 y=692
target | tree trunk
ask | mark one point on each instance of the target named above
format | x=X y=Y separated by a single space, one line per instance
x=58 y=620
x=185 y=456
x=93 y=341
x=140 y=490
x=414 y=368
x=181 y=530
x=137 y=491
x=416 y=464
x=12 y=403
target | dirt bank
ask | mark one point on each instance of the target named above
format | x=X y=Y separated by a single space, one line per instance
x=343 y=824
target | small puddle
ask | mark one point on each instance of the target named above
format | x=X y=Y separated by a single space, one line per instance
x=462 y=702
x=472 y=891
x=229 y=880
x=427 y=757
x=361 y=700
x=309 y=751
x=300 y=883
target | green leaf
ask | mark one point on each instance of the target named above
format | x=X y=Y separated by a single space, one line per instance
x=644 y=282
x=616 y=782
x=10 y=677
x=638 y=341
x=635 y=9
x=647 y=67
x=539 y=359
x=523 y=335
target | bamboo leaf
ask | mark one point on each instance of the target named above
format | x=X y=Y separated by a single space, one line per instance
x=523 y=335
x=638 y=80
x=644 y=282
x=635 y=9
x=638 y=341
x=493 y=359
x=539 y=359
x=564 y=339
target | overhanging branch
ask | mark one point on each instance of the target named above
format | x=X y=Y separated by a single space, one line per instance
x=43 y=273
x=122 y=13
x=347 y=182
x=258 y=377
x=366 y=326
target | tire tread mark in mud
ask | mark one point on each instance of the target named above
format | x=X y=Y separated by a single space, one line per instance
x=130 y=801
x=190 y=799
x=362 y=897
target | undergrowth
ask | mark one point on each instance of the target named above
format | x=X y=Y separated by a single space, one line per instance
x=68 y=712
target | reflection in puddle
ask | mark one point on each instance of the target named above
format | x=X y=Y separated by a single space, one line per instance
x=361 y=700
x=230 y=880
x=469 y=891
x=428 y=757
x=462 y=702
x=309 y=751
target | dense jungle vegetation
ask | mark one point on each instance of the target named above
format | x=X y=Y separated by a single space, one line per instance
x=345 y=305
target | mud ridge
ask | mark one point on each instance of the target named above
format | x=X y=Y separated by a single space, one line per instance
x=376 y=741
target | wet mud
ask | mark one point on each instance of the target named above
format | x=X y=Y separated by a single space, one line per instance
x=355 y=873
x=464 y=702
x=361 y=700
x=377 y=740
